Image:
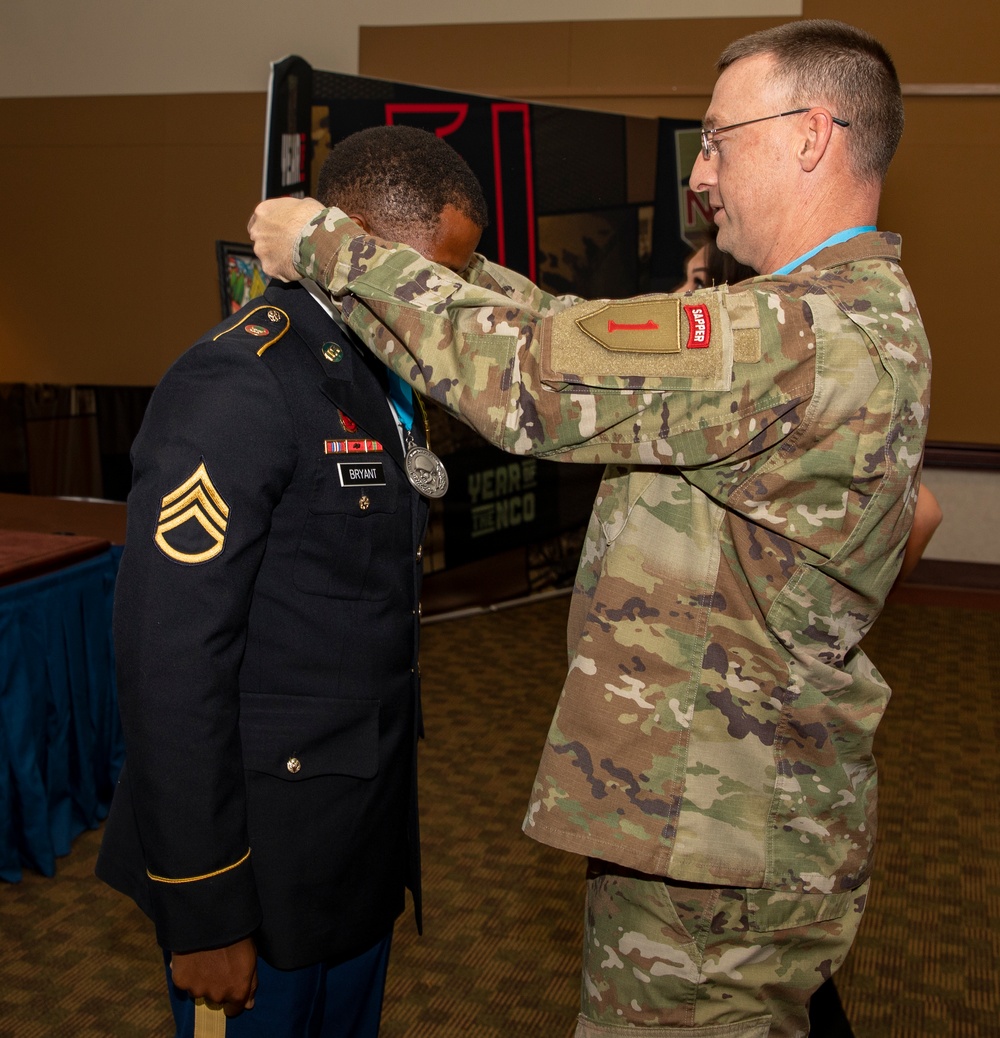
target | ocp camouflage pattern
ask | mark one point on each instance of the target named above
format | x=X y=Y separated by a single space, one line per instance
x=717 y=719
x=662 y=955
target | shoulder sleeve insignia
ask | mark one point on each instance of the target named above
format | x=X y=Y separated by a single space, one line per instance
x=647 y=326
x=191 y=527
x=673 y=342
x=266 y=324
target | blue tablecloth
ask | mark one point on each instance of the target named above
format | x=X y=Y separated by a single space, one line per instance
x=61 y=744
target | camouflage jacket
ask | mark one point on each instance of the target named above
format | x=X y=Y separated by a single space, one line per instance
x=763 y=448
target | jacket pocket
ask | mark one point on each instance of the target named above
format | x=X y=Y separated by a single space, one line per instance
x=345 y=527
x=300 y=737
x=770 y=911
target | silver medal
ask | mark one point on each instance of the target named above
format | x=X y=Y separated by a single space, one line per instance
x=425 y=471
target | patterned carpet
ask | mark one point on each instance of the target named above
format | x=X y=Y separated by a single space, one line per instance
x=503 y=915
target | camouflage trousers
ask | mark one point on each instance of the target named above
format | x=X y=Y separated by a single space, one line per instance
x=706 y=962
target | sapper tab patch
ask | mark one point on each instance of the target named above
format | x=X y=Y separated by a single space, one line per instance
x=191 y=527
x=640 y=326
x=699 y=326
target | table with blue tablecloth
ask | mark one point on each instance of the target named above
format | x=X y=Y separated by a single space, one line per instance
x=61 y=745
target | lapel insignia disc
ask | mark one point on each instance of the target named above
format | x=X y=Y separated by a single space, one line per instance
x=333 y=352
x=193 y=519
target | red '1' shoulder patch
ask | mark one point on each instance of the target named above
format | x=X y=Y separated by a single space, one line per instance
x=699 y=326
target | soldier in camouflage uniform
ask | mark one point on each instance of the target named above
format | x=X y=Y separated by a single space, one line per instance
x=711 y=752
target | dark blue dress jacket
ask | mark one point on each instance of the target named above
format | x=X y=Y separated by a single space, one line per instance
x=266 y=636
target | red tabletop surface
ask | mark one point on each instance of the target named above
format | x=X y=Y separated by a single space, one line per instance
x=25 y=555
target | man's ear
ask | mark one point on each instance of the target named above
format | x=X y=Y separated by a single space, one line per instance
x=360 y=221
x=819 y=128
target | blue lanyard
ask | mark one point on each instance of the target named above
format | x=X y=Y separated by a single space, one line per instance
x=834 y=239
x=401 y=396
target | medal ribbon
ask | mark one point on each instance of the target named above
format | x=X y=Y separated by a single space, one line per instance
x=401 y=396
x=424 y=470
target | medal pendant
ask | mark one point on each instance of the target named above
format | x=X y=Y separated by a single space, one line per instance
x=425 y=471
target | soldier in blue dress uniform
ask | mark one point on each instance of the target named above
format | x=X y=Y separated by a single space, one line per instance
x=266 y=629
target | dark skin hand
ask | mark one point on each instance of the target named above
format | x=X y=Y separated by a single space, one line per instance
x=224 y=977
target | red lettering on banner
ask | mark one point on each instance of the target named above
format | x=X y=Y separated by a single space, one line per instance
x=697 y=203
x=699 y=326
x=649 y=326
x=459 y=111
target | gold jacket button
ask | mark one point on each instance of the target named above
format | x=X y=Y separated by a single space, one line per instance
x=294 y=765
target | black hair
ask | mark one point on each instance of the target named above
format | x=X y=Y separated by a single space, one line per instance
x=396 y=177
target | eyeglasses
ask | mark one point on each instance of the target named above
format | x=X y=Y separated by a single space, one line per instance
x=708 y=136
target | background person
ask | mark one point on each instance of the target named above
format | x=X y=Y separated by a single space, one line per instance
x=707 y=265
x=266 y=635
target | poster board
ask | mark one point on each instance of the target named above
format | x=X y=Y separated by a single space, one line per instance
x=581 y=202
x=241 y=276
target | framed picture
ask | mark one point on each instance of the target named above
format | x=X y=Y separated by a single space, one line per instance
x=240 y=275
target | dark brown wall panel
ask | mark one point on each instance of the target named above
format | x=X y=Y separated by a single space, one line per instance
x=112 y=206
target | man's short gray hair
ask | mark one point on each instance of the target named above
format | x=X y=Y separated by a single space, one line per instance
x=842 y=67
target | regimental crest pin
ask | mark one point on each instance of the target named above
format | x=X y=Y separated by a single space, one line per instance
x=191 y=527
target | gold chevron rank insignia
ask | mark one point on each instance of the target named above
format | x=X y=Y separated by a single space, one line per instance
x=193 y=520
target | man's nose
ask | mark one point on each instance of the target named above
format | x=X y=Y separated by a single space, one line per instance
x=702 y=173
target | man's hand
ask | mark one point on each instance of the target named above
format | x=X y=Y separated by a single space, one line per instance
x=274 y=227
x=226 y=976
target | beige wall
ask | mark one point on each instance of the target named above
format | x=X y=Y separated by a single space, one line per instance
x=112 y=205
x=65 y=48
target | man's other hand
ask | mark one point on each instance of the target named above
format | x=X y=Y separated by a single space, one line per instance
x=226 y=977
x=274 y=228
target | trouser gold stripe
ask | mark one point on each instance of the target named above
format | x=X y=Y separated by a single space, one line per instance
x=208 y=1022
